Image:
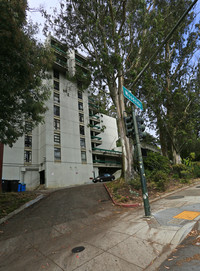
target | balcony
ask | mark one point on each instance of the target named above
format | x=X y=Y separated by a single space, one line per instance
x=96 y=139
x=59 y=50
x=106 y=163
x=95 y=118
x=95 y=128
x=106 y=152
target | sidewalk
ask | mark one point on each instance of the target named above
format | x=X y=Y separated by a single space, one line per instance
x=115 y=239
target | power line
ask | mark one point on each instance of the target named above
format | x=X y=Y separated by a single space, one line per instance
x=165 y=40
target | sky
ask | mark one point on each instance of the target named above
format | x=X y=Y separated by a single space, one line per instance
x=49 y=5
x=36 y=17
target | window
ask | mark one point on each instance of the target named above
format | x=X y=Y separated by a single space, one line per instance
x=28 y=126
x=57 y=153
x=28 y=141
x=80 y=106
x=80 y=95
x=56 y=97
x=56 y=85
x=57 y=138
x=83 y=156
x=82 y=142
x=82 y=130
x=81 y=117
x=56 y=110
x=56 y=124
x=27 y=156
x=56 y=74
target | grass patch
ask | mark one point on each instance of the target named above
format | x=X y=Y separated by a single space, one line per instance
x=12 y=201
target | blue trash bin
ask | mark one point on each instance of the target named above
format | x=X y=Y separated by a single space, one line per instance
x=19 y=187
x=23 y=188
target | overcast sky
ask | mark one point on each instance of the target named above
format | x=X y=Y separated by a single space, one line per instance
x=48 y=5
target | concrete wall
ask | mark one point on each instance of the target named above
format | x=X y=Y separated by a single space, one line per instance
x=110 y=134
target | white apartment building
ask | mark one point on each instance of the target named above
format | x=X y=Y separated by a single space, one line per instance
x=69 y=148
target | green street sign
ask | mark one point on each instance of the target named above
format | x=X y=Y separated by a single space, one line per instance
x=132 y=98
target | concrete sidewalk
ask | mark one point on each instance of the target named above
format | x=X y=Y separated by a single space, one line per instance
x=115 y=239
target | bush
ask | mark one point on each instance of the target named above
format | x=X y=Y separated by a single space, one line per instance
x=178 y=168
x=183 y=181
x=158 y=179
x=135 y=183
x=185 y=174
x=196 y=171
x=155 y=161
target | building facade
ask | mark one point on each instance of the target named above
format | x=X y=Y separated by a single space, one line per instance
x=70 y=147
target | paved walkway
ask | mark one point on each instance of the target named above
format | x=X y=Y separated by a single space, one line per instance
x=114 y=239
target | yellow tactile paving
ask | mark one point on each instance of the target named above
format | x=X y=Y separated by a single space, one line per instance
x=189 y=215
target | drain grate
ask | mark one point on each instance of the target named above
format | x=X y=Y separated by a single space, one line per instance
x=198 y=186
x=175 y=197
x=77 y=249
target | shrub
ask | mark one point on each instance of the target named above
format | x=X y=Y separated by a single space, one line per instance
x=185 y=174
x=196 y=171
x=155 y=161
x=135 y=183
x=178 y=168
x=183 y=181
x=158 y=179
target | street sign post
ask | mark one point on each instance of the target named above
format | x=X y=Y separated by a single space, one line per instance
x=132 y=98
x=145 y=195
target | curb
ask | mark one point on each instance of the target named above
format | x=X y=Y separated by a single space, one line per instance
x=151 y=201
x=26 y=205
x=121 y=204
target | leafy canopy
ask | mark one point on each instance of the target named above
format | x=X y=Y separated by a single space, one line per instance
x=23 y=63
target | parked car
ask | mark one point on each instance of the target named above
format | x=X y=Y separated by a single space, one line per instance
x=104 y=178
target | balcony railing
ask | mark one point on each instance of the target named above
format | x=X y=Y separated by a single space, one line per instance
x=104 y=150
x=106 y=162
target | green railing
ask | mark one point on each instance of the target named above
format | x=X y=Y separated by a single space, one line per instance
x=78 y=60
x=94 y=126
x=91 y=99
x=93 y=105
x=58 y=49
x=96 y=137
x=94 y=116
x=106 y=162
x=104 y=150
x=61 y=62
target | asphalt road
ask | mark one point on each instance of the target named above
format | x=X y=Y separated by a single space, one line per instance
x=72 y=206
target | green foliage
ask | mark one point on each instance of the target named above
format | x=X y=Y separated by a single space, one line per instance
x=178 y=168
x=184 y=181
x=155 y=161
x=158 y=180
x=196 y=170
x=135 y=183
x=23 y=62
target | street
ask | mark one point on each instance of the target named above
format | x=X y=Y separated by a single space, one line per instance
x=79 y=229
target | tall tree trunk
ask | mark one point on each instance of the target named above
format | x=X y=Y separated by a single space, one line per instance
x=163 y=142
x=127 y=154
x=176 y=156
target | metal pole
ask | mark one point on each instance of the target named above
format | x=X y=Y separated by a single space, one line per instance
x=1 y=164
x=141 y=166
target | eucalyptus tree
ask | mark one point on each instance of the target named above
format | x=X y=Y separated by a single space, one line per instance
x=169 y=86
x=109 y=32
